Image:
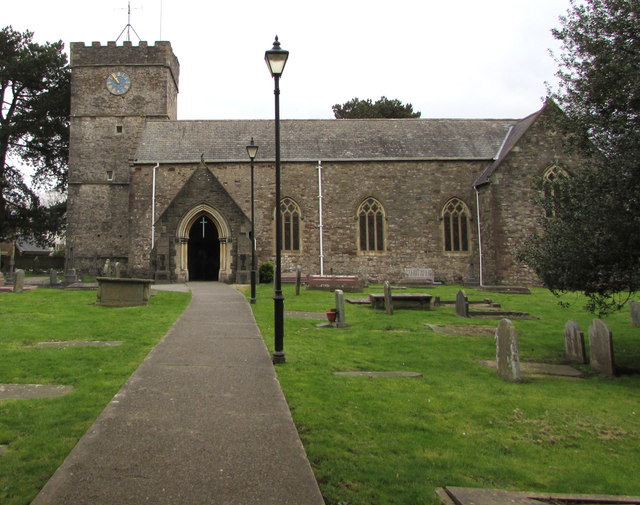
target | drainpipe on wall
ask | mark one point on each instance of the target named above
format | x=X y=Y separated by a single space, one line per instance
x=481 y=265
x=153 y=206
x=320 y=216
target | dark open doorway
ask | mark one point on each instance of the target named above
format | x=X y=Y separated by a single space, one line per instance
x=204 y=250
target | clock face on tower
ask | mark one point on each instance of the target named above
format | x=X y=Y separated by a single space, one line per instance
x=118 y=83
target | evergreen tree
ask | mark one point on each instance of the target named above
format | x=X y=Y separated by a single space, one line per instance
x=590 y=241
x=365 y=109
x=34 y=131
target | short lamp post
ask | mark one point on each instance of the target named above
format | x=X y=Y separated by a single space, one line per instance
x=252 y=150
x=276 y=59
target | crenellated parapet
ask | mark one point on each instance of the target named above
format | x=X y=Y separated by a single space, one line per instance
x=112 y=54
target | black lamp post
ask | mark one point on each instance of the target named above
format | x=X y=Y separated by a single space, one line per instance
x=252 y=150
x=276 y=59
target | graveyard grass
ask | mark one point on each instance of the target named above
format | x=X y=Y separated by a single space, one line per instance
x=38 y=434
x=374 y=441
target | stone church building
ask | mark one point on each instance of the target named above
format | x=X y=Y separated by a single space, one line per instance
x=171 y=200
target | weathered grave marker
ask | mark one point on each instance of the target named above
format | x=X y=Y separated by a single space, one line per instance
x=340 y=319
x=601 y=348
x=362 y=373
x=117 y=270
x=634 y=308
x=70 y=276
x=507 y=355
x=462 y=304
x=32 y=391
x=298 y=280
x=574 y=348
x=18 y=281
x=53 y=277
x=114 y=292
x=388 y=303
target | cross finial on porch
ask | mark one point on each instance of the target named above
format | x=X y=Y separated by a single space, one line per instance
x=203 y=223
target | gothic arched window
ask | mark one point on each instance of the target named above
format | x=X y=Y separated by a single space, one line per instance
x=549 y=179
x=455 y=226
x=371 y=225
x=290 y=225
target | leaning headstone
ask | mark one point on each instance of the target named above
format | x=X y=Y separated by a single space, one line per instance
x=507 y=356
x=574 y=349
x=18 y=281
x=601 y=348
x=340 y=319
x=462 y=304
x=634 y=308
x=388 y=300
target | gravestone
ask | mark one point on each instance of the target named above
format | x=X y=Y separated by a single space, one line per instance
x=117 y=270
x=340 y=318
x=388 y=303
x=507 y=356
x=1 y=279
x=462 y=304
x=18 y=281
x=574 y=349
x=601 y=348
x=12 y=268
x=53 y=277
x=70 y=276
x=634 y=308
x=298 y=279
x=106 y=269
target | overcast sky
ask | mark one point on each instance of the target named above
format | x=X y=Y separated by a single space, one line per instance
x=461 y=59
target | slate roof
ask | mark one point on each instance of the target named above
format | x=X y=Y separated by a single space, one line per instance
x=515 y=133
x=26 y=247
x=325 y=140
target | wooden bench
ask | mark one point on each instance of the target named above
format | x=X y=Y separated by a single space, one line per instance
x=415 y=301
x=347 y=283
x=417 y=276
x=290 y=278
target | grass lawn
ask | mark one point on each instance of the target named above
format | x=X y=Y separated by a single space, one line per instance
x=384 y=441
x=36 y=435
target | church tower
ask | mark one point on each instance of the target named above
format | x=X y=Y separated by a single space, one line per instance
x=115 y=90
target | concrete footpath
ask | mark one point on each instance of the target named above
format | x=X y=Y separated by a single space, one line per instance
x=202 y=421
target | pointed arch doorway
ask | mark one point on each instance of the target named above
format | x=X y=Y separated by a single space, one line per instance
x=204 y=250
x=205 y=257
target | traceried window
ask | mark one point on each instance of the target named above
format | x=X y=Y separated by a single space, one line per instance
x=455 y=226
x=371 y=226
x=551 y=176
x=290 y=225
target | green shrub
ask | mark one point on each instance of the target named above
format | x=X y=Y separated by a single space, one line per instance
x=265 y=273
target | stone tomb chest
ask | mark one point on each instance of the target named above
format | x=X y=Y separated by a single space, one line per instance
x=117 y=292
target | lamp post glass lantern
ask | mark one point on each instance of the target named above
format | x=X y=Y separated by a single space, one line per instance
x=276 y=59
x=252 y=151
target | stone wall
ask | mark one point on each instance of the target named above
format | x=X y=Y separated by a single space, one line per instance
x=412 y=193
x=104 y=132
x=507 y=203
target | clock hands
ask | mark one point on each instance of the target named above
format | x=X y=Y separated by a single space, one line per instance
x=115 y=78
